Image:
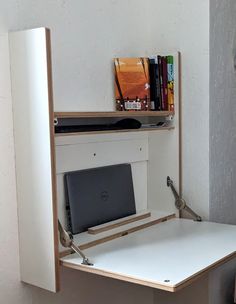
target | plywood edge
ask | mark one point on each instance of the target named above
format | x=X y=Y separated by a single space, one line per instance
x=116 y=235
x=203 y=272
x=120 y=222
x=149 y=283
x=112 y=114
x=53 y=157
x=151 y=129
x=118 y=276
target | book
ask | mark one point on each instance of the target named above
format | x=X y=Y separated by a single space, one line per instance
x=170 y=72
x=153 y=90
x=155 y=93
x=165 y=83
x=159 y=60
x=132 y=84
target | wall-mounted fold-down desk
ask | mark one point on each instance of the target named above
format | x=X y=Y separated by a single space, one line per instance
x=168 y=255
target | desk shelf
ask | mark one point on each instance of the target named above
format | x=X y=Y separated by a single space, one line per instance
x=113 y=114
x=146 y=129
x=167 y=256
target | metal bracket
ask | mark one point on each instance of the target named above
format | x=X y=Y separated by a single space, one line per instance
x=66 y=239
x=180 y=202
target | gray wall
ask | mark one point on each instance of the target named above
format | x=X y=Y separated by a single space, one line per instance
x=222 y=134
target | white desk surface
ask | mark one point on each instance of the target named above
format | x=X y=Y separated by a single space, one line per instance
x=178 y=250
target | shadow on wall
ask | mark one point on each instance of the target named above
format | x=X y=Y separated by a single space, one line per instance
x=222 y=284
x=196 y=293
x=83 y=288
x=234 y=52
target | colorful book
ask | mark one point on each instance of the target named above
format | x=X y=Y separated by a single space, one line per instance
x=159 y=60
x=153 y=90
x=165 y=83
x=158 y=87
x=132 y=84
x=170 y=72
x=155 y=93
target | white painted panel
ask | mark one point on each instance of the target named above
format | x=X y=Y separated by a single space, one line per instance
x=164 y=158
x=83 y=152
x=176 y=250
x=91 y=155
x=29 y=72
x=163 y=162
x=62 y=140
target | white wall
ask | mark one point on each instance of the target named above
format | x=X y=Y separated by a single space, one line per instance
x=11 y=290
x=85 y=36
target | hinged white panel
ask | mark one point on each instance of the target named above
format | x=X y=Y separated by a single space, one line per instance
x=33 y=134
x=83 y=152
x=89 y=155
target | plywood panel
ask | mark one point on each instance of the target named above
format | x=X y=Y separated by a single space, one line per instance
x=33 y=134
x=167 y=256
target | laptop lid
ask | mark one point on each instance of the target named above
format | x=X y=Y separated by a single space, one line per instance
x=99 y=195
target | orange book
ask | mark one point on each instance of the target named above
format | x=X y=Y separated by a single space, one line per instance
x=132 y=84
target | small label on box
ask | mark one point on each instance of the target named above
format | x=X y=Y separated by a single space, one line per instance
x=132 y=105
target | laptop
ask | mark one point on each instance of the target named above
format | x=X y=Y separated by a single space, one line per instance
x=99 y=195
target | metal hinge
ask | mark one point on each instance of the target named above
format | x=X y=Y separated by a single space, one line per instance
x=66 y=239
x=180 y=202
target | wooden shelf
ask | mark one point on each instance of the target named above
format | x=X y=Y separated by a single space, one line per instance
x=116 y=131
x=112 y=114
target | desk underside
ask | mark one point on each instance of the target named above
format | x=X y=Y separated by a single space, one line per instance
x=167 y=256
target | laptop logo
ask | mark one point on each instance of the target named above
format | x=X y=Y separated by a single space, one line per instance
x=104 y=196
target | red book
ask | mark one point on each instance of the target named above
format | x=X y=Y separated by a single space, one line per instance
x=165 y=84
x=159 y=60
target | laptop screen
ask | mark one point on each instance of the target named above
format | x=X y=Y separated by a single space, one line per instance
x=99 y=195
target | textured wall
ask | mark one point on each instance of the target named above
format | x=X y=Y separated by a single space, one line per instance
x=222 y=133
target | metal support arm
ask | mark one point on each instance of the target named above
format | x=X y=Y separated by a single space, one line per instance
x=66 y=239
x=180 y=202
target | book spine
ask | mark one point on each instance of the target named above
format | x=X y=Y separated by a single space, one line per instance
x=157 y=86
x=165 y=83
x=159 y=58
x=152 y=73
x=170 y=72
